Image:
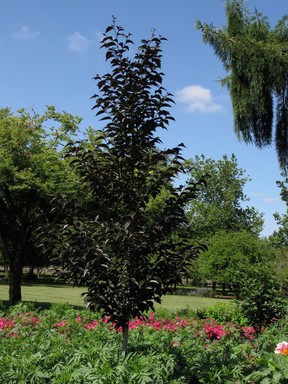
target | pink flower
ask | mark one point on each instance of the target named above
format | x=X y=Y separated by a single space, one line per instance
x=61 y=323
x=248 y=332
x=92 y=325
x=282 y=348
x=212 y=330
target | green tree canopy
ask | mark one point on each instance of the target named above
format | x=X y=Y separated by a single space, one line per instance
x=32 y=171
x=280 y=237
x=220 y=205
x=128 y=255
x=256 y=59
x=251 y=266
x=231 y=257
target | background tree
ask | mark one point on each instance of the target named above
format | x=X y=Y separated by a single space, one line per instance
x=256 y=58
x=128 y=256
x=232 y=258
x=280 y=237
x=220 y=205
x=32 y=171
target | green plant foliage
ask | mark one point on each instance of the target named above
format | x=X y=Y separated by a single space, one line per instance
x=54 y=346
x=224 y=313
x=261 y=299
x=270 y=368
x=32 y=172
x=220 y=204
x=280 y=237
x=232 y=257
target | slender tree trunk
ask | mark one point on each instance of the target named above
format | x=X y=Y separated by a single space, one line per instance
x=15 y=280
x=125 y=338
x=31 y=270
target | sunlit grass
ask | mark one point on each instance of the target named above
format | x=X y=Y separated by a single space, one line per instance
x=47 y=294
x=72 y=295
x=174 y=302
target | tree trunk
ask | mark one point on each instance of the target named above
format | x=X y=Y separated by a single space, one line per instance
x=15 y=280
x=31 y=270
x=125 y=329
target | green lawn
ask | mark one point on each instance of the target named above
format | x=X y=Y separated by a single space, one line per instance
x=174 y=302
x=72 y=295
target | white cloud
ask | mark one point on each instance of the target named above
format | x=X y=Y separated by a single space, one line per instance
x=25 y=33
x=271 y=200
x=265 y=198
x=198 y=99
x=77 y=42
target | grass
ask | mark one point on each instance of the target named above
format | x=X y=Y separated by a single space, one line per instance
x=50 y=294
x=41 y=293
x=174 y=302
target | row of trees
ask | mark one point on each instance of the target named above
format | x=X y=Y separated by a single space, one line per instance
x=35 y=169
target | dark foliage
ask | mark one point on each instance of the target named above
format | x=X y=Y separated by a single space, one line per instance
x=128 y=253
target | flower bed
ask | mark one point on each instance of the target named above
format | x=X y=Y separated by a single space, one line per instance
x=63 y=345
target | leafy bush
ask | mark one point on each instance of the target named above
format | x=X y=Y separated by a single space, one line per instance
x=260 y=299
x=225 y=313
x=270 y=367
x=186 y=312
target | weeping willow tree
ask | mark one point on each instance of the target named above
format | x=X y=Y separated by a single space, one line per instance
x=255 y=57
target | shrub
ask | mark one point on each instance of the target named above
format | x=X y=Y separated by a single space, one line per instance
x=270 y=367
x=260 y=299
x=225 y=313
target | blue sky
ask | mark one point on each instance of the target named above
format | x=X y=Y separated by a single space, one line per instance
x=50 y=52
